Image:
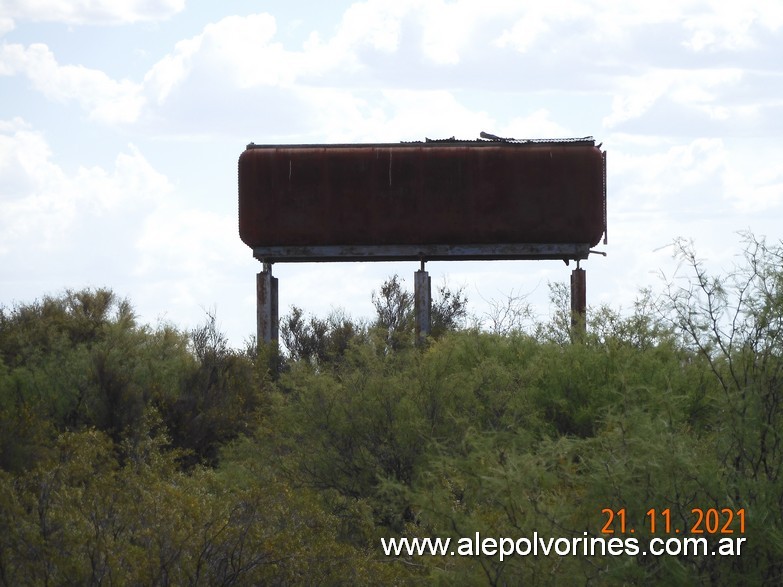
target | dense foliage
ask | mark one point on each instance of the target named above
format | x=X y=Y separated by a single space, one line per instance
x=132 y=455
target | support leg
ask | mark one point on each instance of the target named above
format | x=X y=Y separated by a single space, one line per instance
x=578 y=300
x=422 y=303
x=266 y=306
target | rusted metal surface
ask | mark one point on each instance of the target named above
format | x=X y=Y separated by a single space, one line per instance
x=435 y=200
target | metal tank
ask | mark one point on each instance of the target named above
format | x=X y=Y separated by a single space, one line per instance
x=433 y=200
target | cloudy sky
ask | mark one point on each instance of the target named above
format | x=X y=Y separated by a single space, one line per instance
x=121 y=122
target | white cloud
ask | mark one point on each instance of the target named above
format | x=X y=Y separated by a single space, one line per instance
x=375 y=23
x=536 y=124
x=121 y=226
x=703 y=189
x=172 y=70
x=732 y=26
x=447 y=29
x=235 y=52
x=90 y=11
x=753 y=180
x=6 y=25
x=236 y=62
x=42 y=206
x=679 y=178
x=26 y=178
x=186 y=258
x=401 y=45
x=180 y=241
x=636 y=95
x=105 y=99
x=243 y=47
x=394 y=115
x=523 y=33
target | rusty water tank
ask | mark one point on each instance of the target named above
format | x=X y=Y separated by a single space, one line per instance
x=496 y=199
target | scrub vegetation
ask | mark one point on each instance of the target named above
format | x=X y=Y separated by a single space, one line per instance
x=139 y=455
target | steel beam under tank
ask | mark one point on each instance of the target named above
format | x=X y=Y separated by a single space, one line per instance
x=476 y=252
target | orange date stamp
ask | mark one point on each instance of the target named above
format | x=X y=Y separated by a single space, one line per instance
x=701 y=521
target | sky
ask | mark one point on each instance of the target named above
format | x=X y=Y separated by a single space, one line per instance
x=121 y=122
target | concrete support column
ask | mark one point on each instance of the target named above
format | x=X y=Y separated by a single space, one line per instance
x=266 y=306
x=578 y=300
x=422 y=304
